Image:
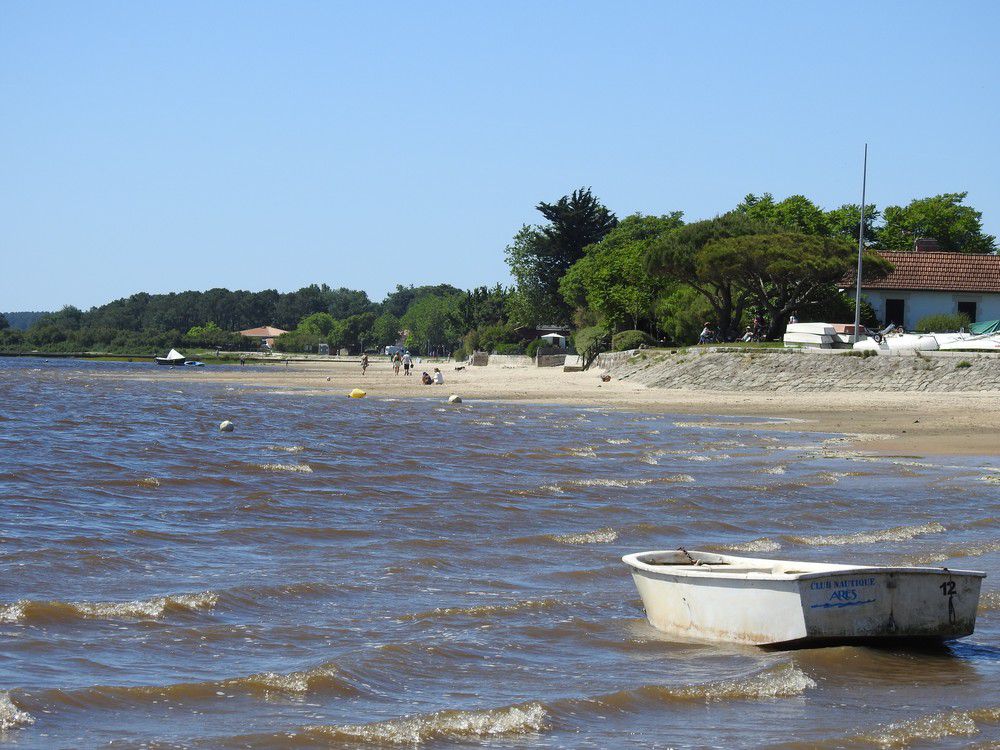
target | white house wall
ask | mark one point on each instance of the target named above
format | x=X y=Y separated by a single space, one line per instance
x=919 y=304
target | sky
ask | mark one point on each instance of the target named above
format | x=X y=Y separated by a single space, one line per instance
x=250 y=145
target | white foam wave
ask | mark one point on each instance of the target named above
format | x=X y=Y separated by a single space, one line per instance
x=295 y=468
x=10 y=715
x=286 y=448
x=443 y=725
x=781 y=682
x=757 y=545
x=618 y=441
x=142 y=609
x=895 y=534
x=771 y=470
x=601 y=536
x=931 y=727
x=148 y=482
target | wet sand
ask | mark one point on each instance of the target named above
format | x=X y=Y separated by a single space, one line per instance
x=905 y=423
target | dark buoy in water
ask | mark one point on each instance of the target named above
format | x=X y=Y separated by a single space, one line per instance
x=227 y=426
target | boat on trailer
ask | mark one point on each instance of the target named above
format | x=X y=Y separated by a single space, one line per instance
x=707 y=596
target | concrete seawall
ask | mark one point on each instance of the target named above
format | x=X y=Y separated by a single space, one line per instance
x=797 y=370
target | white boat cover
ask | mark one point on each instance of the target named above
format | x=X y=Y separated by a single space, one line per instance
x=822 y=329
x=174 y=354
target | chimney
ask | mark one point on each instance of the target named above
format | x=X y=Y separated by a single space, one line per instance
x=926 y=245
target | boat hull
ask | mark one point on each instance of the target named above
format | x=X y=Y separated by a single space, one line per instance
x=170 y=362
x=842 y=606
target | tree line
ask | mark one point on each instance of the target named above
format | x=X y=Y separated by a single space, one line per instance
x=614 y=282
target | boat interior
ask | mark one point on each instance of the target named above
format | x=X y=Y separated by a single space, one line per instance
x=708 y=562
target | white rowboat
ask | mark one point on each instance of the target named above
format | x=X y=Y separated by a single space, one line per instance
x=706 y=596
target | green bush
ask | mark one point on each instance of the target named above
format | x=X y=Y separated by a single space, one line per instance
x=963 y=364
x=508 y=349
x=626 y=340
x=943 y=323
x=532 y=348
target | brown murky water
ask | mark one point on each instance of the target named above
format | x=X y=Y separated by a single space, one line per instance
x=345 y=573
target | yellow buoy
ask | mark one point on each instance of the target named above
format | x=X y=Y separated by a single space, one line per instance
x=357 y=393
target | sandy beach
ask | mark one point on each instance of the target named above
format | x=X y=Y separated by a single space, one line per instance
x=892 y=422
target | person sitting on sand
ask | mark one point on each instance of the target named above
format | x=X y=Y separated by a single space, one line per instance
x=438 y=377
x=707 y=334
x=426 y=379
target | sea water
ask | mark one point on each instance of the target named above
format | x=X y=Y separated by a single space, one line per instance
x=368 y=573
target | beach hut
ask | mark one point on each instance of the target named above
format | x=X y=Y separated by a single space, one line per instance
x=554 y=340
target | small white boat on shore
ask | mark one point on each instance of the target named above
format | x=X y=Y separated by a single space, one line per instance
x=899 y=343
x=174 y=358
x=707 y=596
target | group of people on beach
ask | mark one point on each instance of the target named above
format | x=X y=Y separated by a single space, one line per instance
x=756 y=331
x=405 y=361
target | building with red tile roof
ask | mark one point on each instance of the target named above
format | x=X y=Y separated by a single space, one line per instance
x=265 y=334
x=934 y=282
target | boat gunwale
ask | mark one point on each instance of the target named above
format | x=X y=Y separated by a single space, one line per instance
x=704 y=572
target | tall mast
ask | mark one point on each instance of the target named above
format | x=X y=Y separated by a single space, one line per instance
x=861 y=248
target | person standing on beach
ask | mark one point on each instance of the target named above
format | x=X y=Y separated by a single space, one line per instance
x=407 y=363
x=364 y=363
x=397 y=360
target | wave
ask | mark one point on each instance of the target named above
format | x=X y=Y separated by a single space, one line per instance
x=972 y=550
x=937 y=726
x=895 y=534
x=763 y=544
x=265 y=685
x=669 y=479
x=484 y=609
x=770 y=470
x=785 y=681
x=10 y=715
x=601 y=536
x=286 y=448
x=453 y=725
x=989 y=601
x=295 y=468
x=31 y=611
x=151 y=482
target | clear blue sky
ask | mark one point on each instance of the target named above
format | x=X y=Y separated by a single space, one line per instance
x=188 y=145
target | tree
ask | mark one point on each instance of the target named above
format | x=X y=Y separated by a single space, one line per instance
x=956 y=227
x=399 y=301
x=539 y=256
x=611 y=278
x=430 y=322
x=796 y=213
x=843 y=221
x=318 y=324
x=385 y=330
x=3 y=322
x=679 y=255
x=781 y=272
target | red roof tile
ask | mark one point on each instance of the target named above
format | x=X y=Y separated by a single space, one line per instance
x=946 y=272
x=263 y=332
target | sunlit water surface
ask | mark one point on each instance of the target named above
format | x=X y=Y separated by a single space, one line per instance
x=358 y=573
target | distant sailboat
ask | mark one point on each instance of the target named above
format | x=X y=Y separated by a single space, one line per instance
x=173 y=358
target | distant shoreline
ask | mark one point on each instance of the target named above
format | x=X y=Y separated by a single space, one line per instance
x=883 y=422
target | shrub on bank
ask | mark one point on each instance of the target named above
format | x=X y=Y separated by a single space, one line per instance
x=943 y=323
x=626 y=340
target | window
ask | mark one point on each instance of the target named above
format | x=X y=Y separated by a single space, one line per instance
x=894 y=310
x=968 y=309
